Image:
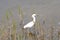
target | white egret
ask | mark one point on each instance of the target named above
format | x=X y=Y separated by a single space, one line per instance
x=31 y=24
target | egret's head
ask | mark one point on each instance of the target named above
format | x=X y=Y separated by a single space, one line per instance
x=33 y=15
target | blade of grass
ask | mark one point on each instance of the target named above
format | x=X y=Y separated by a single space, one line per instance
x=14 y=29
x=7 y=15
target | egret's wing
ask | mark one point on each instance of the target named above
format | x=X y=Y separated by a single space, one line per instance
x=30 y=24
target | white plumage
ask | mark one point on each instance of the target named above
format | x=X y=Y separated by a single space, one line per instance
x=31 y=24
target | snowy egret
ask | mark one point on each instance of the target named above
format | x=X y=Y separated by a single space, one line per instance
x=31 y=24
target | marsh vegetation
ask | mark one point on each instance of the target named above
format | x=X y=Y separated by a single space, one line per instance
x=8 y=28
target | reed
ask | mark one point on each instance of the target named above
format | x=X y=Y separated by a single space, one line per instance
x=58 y=35
x=4 y=27
x=21 y=16
x=13 y=32
x=40 y=31
x=8 y=31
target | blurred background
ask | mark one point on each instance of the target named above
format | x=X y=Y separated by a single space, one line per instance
x=19 y=13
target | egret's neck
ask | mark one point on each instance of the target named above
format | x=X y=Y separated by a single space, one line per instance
x=34 y=19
